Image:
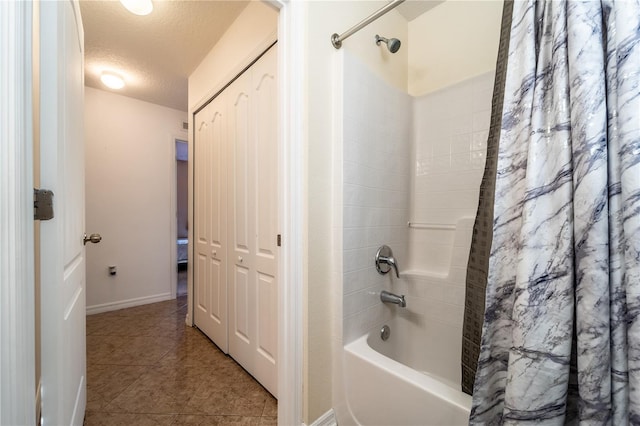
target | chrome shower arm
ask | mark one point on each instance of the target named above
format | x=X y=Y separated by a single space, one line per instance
x=336 y=40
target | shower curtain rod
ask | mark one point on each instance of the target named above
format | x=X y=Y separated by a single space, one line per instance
x=336 y=39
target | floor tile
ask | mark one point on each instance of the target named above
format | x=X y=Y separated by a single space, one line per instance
x=123 y=419
x=161 y=389
x=228 y=402
x=193 y=348
x=106 y=382
x=270 y=407
x=146 y=366
x=127 y=350
x=200 y=420
x=100 y=349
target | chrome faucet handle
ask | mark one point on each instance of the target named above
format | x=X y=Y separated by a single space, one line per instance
x=390 y=261
x=385 y=260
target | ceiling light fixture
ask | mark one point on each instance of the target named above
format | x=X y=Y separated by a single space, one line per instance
x=138 y=7
x=112 y=80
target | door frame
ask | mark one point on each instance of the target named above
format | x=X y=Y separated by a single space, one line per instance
x=17 y=285
x=173 y=211
x=291 y=201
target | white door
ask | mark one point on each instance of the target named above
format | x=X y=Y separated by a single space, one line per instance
x=265 y=92
x=252 y=110
x=235 y=190
x=210 y=232
x=62 y=249
x=241 y=228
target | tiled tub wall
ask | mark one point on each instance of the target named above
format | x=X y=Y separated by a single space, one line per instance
x=376 y=188
x=450 y=132
x=443 y=134
x=450 y=136
x=450 y=129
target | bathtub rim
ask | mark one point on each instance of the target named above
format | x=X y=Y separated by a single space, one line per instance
x=360 y=349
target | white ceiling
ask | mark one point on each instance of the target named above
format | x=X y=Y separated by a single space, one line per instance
x=411 y=9
x=155 y=53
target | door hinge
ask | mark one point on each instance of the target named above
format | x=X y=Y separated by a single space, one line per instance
x=42 y=204
x=279 y=240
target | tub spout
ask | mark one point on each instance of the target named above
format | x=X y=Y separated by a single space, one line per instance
x=387 y=297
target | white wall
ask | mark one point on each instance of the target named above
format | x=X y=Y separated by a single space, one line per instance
x=323 y=288
x=254 y=28
x=452 y=42
x=129 y=160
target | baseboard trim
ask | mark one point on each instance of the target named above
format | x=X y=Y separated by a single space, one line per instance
x=327 y=419
x=129 y=303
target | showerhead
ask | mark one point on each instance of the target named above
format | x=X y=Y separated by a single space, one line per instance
x=393 y=44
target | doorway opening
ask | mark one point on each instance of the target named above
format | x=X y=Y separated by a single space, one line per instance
x=182 y=216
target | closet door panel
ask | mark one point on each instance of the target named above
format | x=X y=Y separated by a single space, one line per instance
x=201 y=234
x=241 y=308
x=264 y=97
x=266 y=146
x=267 y=338
x=241 y=159
x=242 y=163
x=216 y=294
x=210 y=192
x=201 y=274
x=238 y=220
x=217 y=178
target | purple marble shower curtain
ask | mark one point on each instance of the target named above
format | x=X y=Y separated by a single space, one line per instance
x=561 y=333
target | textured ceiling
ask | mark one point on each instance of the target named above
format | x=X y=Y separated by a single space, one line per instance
x=155 y=53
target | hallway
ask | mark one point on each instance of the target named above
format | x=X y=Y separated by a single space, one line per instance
x=146 y=367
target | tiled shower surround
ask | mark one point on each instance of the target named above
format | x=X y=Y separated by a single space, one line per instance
x=376 y=191
x=416 y=160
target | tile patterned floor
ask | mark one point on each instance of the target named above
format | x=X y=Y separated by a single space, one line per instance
x=146 y=367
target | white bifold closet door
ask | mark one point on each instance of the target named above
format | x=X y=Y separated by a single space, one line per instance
x=210 y=232
x=248 y=109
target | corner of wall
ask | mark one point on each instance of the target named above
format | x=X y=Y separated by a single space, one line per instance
x=458 y=40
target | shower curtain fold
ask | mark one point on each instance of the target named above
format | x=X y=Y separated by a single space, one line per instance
x=561 y=333
x=478 y=262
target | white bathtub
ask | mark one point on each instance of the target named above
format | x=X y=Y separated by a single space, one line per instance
x=382 y=391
